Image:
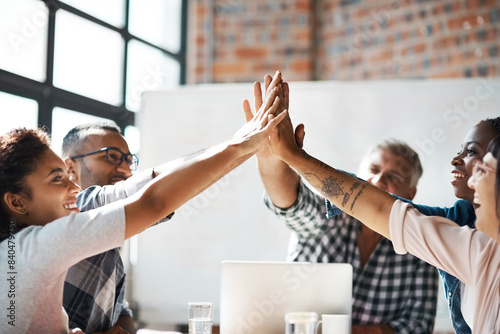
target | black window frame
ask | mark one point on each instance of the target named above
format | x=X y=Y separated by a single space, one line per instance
x=49 y=97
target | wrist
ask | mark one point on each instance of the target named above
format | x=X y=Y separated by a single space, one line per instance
x=292 y=158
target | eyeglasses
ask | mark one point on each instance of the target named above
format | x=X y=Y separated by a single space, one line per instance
x=115 y=157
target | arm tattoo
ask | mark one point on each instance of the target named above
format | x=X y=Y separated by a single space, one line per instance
x=346 y=199
x=357 y=196
x=332 y=187
x=347 y=195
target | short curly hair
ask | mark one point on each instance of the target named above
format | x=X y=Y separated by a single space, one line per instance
x=495 y=123
x=20 y=150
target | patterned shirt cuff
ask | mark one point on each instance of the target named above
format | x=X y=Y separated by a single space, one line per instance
x=285 y=211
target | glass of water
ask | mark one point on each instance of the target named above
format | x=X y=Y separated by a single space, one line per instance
x=200 y=317
x=300 y=322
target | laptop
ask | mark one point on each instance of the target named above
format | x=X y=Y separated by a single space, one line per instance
x=256 y=295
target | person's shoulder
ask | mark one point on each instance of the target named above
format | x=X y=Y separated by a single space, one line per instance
x=89 y=192
x=464 y=204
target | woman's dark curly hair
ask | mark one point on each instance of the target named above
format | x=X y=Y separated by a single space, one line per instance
x=20 y=150
x=494 y=122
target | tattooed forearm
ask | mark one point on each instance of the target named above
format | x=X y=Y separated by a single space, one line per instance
x=332 y=187
x=354 y=186
x=357 y=196
x=346 y=199
x=306 y=156
x=347 y=195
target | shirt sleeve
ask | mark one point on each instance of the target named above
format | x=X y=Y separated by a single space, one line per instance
x=124 y=307
x=95 y=196
x=305 y=216
x=435 y=240
x=67 y=240
x=461 y=213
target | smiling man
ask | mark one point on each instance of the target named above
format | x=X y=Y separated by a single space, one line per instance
x=97 y=155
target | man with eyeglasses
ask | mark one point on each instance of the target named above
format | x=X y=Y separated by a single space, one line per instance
x=97 y=156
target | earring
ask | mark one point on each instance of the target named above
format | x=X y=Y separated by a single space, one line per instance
x=23 y=211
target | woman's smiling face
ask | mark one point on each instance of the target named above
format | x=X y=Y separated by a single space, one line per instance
x=474 y=147
x=52 y=193
x=483 y=183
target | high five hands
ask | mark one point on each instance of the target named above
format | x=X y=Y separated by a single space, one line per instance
x=281 y=137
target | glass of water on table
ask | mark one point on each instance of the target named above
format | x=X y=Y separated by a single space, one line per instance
x=200 y=317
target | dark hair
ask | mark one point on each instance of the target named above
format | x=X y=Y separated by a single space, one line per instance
x=20 y=150
x=495 y=123
x=494 y=149
x=76 y=136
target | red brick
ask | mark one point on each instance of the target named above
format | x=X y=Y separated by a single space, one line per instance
x=200 y=10
x=419 y=48
x=491 y=35
x=438 y=10
x=200 y=70
x=446 y=74
x=471 y=4
x=302 y=35
x=463 y=21
x=303 y=6
x=220 y=69
x=248 y=53
x=301 y=65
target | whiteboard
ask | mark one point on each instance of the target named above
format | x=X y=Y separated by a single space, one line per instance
x=180 y=261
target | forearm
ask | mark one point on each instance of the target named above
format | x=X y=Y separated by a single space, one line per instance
x=280 y=181
x=171 y=189
x=363 y=201
x=306 y=216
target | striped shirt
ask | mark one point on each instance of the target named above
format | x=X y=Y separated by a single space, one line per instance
x=94 y=289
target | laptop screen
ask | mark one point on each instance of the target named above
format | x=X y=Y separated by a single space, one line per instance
x=256 y=295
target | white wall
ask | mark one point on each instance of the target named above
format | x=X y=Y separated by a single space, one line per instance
x=180 y=261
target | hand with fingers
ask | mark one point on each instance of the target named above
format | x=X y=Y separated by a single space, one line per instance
x=259 y=126
x=280 y=181
x=270 y=84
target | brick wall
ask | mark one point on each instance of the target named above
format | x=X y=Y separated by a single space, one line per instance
x=241 y=40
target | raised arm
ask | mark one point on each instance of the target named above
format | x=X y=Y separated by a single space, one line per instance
x=185 y=179
x=280 y=181
x=365 y=202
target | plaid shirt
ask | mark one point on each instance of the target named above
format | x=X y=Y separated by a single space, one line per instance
x=399 y=290
x=94 y=290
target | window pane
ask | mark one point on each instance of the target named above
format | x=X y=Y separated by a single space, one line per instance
x=87 y=58
x=157 y=21
x=64 y=120
x=17 y=112
x=110 y=11
x=23 y=28
x=148 y=69
x=132 y=136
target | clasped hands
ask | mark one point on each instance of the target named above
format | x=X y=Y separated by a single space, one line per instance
x=283 y=140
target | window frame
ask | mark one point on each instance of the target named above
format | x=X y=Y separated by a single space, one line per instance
x=49 y=97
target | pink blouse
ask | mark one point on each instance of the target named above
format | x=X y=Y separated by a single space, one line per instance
x=468 y=254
